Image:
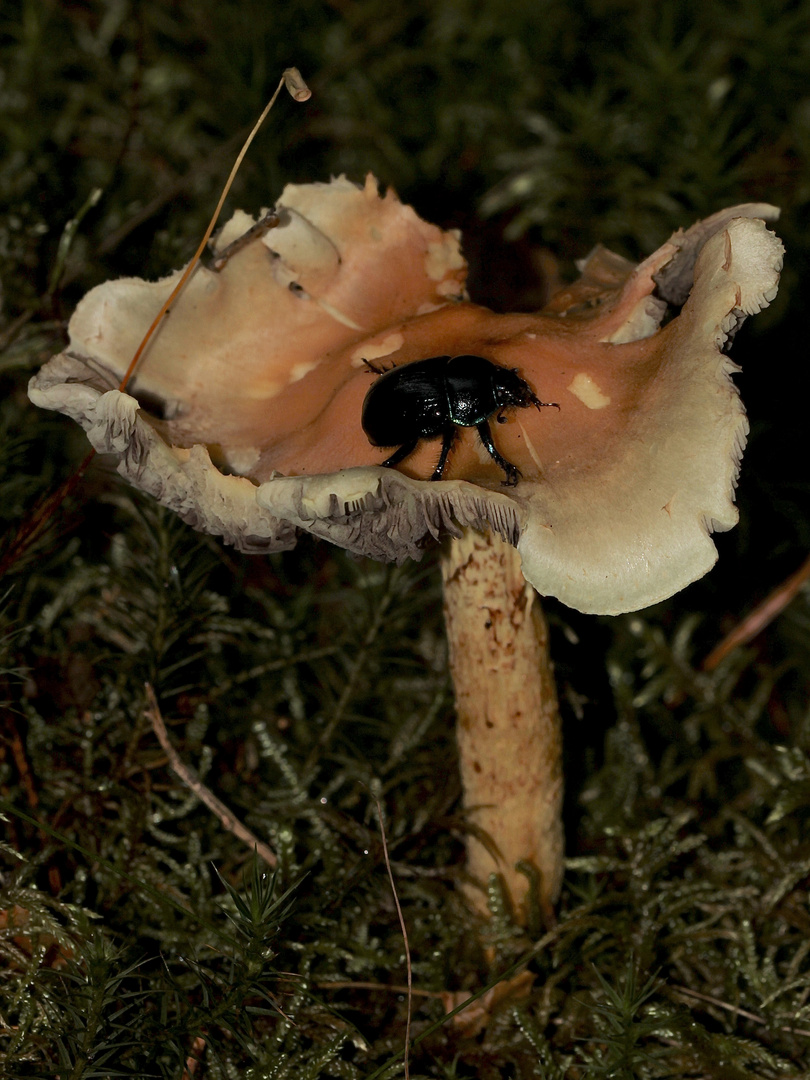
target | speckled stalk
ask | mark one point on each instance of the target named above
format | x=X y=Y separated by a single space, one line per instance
x=508 y=726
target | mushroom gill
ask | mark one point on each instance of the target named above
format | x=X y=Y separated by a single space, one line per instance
x=260 y=368
x=245 y=418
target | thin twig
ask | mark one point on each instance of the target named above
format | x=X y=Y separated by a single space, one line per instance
x=39 y=517
x=168 y=194
x=720 y=1004
x=763 y=614
x=206 y=796
x=386 y=988
x=17 y=324
x=21 y=761
x=536 y=949
x=268 y=221
x=299 y=91
x=34 y=524
x=404 y=938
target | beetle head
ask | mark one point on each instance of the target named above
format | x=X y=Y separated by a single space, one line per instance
x=509 y=389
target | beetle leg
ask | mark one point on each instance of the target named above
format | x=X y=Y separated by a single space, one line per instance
x=371 y=367
x=401 y=454
x=448 y=439
x=538 y=404
x=512 y=471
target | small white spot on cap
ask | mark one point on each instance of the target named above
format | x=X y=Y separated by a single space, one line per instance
x=376 y=349
x=584 y=387
x=339 y=316
x=443 y=257
x=298 y=371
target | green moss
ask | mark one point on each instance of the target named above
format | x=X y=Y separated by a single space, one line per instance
x=135 y=930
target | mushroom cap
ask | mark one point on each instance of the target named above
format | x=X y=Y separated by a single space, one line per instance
x=244 y=415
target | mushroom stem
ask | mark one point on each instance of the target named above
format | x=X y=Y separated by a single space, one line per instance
x=508 y=725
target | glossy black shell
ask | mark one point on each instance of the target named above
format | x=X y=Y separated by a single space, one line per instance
x=433 y=397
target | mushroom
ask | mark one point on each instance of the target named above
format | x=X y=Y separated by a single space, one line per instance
x=245 y=418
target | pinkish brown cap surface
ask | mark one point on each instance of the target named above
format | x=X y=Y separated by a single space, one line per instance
x=244 y=416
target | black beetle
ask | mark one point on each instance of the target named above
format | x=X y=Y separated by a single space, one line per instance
x=434 y=397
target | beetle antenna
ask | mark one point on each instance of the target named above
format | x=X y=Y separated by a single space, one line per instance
x=538 y=404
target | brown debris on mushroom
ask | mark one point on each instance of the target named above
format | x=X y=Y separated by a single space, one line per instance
x=244 y=415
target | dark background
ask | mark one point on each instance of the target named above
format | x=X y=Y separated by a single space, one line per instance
x=539 y=129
